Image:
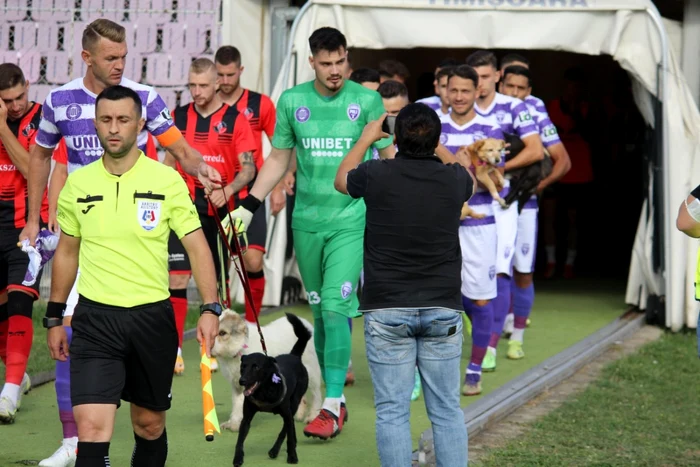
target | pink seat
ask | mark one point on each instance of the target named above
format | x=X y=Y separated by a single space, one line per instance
x=73 y=38
x=145 y=36
x=15 y=10
x=57 y=67
x=179 y=70
x=79 y=66
x=49 y=33
x=196 y=37
x=169 y=97
x=133 y=69
x=198 y=9
x=4 y=35
x=30 y=63
x=185 y=96
x=95 y=9
x=157 y=70
x=47 y=10
x=174 y=37
x=156 y=11
x=38 y=92
x=25 y=35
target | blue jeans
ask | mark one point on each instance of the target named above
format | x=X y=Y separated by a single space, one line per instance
x=397 y=340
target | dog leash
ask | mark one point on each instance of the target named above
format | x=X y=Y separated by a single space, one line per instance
x=242 y=273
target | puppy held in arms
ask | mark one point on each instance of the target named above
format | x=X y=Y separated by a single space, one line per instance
x=275 y=385
x=524 y=180
x=486 y=155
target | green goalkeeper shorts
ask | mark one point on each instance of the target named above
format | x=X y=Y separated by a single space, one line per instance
x=330 y=265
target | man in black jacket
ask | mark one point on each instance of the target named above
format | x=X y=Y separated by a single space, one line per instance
x=411 y=298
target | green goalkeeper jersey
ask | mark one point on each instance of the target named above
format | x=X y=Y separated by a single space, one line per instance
x=323 y=129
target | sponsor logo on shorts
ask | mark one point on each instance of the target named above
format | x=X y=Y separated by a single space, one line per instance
x=346 y=289
x=507 y=253
x=173 y=257
x=492 y=272
x=525 y=248
x=73 y=112
x=302 y=114
x=353 y=112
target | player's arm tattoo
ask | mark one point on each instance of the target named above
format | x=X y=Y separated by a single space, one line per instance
x=246 y=174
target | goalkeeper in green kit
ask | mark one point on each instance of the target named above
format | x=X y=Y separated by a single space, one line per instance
x=323 y=119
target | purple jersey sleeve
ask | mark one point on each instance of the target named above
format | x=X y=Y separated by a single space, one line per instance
x=48 y=135
x=523 y=123
x=158 y=118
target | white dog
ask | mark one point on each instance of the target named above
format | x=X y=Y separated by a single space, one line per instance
x=237 y=337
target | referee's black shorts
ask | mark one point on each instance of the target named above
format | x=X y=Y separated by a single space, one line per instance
x=123 y=354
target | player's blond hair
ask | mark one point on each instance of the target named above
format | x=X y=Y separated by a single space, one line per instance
x=102 y=28
x=202 y=65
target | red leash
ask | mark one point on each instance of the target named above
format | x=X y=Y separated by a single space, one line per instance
x=242 y=274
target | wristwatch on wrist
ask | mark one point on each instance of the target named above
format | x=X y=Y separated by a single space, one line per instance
x=213 y=308
x=52 y=322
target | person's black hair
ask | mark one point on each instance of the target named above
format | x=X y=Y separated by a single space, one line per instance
x=482 y=58
x=465 y=72
x=328 y=39
x=117 y=93
x=444 y=71
x=365 y=75
x=445 y=62
x=391 y=88
x=417 y=131
x=390 y=68
x=512 y=58
x=518 y=71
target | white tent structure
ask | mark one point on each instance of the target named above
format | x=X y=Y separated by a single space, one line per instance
x=630 y=31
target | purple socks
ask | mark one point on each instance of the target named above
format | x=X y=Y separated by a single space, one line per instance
x=522 y=304
x=481 y=318
x=65 y=409
x=501 y=306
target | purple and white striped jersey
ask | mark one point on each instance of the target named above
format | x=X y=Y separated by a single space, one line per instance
x=548 y=132
x=511 y=114
x=433 y=102
x=453 y=137
x=69 y=111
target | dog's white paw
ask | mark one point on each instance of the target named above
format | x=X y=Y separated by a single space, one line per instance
x=231 y=425
x=299 y=416
x=502 y=202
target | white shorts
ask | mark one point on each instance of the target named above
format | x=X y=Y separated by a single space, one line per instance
x=526 y=243
x=478 y=244
x=507 y=231
x=72 y=298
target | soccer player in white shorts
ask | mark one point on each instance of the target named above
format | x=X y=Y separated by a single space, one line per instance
x=513 y=117
x=516 y=82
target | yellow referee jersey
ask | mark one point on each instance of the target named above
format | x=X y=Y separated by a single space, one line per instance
x=123 y=223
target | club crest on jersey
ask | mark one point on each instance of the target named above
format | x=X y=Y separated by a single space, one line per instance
x=302 y=114
x=477 y=135
x=525 y=248
x=220 y=128
x=353 y=112
x=148 y=214
x=346 y=289
x=73 y=112
x=500 y=116
x=443 y=138
x=248 y=113
x=28 y=130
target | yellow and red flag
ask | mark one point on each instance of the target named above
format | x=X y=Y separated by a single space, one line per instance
x=211 y=422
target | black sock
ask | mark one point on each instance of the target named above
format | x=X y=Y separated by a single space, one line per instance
x=150 y=453
x=93 y=455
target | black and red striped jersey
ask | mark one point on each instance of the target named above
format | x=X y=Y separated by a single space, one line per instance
x=13 y=185
x=220 y=138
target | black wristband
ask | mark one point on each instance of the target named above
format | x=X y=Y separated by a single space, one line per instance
x=55 y=309
x=251 y=203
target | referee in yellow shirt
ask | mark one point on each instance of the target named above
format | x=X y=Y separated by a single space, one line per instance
x=116 y=215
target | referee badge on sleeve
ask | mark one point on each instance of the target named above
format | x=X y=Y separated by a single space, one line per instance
x=148 y=214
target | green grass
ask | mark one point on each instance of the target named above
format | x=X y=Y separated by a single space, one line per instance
x=644 y=410
x=558 y=322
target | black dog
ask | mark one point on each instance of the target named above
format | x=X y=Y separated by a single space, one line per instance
x=274 y=385
x=524 y=180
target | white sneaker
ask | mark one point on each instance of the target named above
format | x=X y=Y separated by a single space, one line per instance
x=64 y=456
x=24 y=388
x=8 y=409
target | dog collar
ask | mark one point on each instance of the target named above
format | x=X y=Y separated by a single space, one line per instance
x=240 y=352
x=270 y=405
